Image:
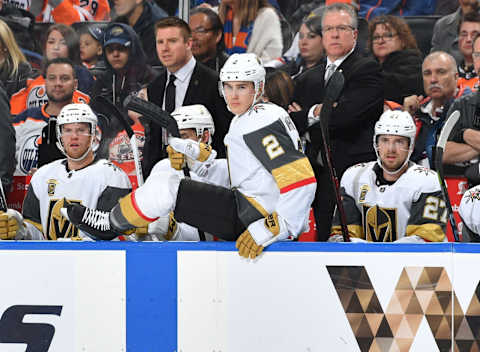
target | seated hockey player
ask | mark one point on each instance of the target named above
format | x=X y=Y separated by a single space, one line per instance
x=195 y=123
x=271 y=181
x=469 y=211
x=392 y=199
x=78 y=179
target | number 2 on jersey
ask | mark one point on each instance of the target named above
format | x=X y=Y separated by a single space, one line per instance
x=272 y=147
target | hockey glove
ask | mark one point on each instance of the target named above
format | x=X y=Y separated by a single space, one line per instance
x=11 y=225
x=194 y=150
x=249 y=244
x=177 y=160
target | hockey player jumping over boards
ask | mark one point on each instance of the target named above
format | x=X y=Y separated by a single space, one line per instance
x=272 y=182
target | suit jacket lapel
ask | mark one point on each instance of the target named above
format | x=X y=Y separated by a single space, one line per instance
x=193 y=87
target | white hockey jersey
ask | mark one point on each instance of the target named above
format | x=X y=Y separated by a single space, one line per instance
x=470 y=213
x=217 y=175
x=99 y=185
x=412 y=205
x=268 y=167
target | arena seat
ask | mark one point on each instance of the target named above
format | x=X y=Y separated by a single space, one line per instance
x=422 y=29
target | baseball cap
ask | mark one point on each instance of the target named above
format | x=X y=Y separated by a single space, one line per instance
x=116 y=34
x=96 y=32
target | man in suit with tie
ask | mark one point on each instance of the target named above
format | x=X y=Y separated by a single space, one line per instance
x=354 y=115
x=183 y=81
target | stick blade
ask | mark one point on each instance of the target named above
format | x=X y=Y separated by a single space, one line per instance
x=447 y=129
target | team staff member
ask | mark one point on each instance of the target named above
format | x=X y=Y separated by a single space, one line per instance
x=272 y=182
x=392 y=199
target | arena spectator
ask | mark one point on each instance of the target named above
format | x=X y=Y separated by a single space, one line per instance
x=14 y=67
x=68 y=11
x=183 y=81
x=141 y=15
x=353 y=118
x=35 y=127
x=251 y=26
x=60 y=41
x=469 y=28
x=278 y=89
x=439 y=71
x=7 y=151
x=310 y=47
x=91 y=53
x=21 y=22
x=126 y=73
x=392 y=44
x=462 y=151
x=445 y=32
x=207 y=38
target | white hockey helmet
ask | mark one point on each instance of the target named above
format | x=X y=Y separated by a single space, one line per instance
x=243 y=67
x=196 y=117
x=77 y=113
x=397 y=123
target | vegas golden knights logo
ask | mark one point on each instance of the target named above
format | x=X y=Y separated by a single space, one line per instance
x=57 y=225
x=380 y=224
x=51 y=184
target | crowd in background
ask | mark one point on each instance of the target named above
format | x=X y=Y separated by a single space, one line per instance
x=56 y=52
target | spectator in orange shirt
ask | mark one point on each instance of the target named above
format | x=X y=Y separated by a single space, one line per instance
x=469 y=28
x=61 y=41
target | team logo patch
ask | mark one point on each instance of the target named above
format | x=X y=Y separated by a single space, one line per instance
x=51 y=185
x=258 y=108
x=28 y=156
x=363 y=192
x=37 y=97
x=472 y=195
x=380 y=224
x=421 y=170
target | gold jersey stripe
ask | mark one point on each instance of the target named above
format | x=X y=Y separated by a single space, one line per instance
x=429 y=232
x=36 y=224
x=353 y=231
x=131 y=213
x=257 y=206
x=293 y=173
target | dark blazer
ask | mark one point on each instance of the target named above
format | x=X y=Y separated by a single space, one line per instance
x=202 y=89
x=351 y=125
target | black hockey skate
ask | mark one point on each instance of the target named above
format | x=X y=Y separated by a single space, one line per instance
x=94 y=222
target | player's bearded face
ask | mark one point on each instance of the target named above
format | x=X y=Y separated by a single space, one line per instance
x=239 y=95
x=393 y=151
x=76 y=139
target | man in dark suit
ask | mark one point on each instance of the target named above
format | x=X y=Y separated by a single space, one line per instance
x=353 y=118
x=183 y=81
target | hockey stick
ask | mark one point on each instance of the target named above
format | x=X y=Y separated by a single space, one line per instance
x=3 y=199
x=440 y=147
x=157 y=115
x=332 y=93
x=104 y=106
x=152 y=113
